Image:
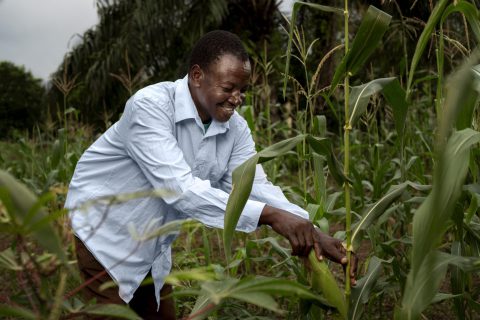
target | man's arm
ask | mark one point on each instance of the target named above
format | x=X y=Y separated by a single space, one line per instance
x=150 y=142
x=285 y=218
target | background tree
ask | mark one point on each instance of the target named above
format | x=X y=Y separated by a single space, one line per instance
x=142 y=42
x=21 y=98
x=136 y=42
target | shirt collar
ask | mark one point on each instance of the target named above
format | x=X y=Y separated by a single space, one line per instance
x=185 y=109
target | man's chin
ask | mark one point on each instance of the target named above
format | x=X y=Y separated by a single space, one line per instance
x=225 y=114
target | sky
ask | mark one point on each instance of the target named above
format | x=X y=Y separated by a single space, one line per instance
x=37 y=34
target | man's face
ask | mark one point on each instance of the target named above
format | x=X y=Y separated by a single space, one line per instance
x=220 y=89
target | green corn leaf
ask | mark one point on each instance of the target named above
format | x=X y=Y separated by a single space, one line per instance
x=374 y=25
x=361 y=291
x=470 y=12
x=424 y=39
x=314 y=211
x=429 y=277
x=242 y=182
x=7 y=260
x=324 y=282
x=372 y=214
x=296 y=7
x=476 y=71
x=283 y=252
x=431 y=218
x=257 y=291
x=429 y=224
x=258 y=298
x=16 y=312
x=46 y=220
x=279 y=148
x=466 y=264
x=22 y=200
x=197 y=274
x=465 y=118
x=58 y=151
x=111 y=310
x=323 y=8
x=273 y=286
x=439 y=297
x=323 y=146
x=371 y=30
x=203 y=307
x=457 y=281
x=360 y=96
x=475 y=305
x=39 y=204
x=247 y=112
x=395 y=97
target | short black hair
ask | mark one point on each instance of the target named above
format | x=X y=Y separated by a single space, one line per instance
x=214 y=44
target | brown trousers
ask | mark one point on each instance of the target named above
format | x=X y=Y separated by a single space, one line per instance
x=143 y=301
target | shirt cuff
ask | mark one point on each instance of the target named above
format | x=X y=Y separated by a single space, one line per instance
x=250 y=216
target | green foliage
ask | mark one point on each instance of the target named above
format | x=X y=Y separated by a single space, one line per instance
x=431 y=218
x=26 y=214
x=424 y=39
x=21 y=98
x=413 y=159
x=360 y=97
x=296 y=8
x=369 y=34
x=361 y=291
x=324 y=282
x=257 y=291
x=134 y=45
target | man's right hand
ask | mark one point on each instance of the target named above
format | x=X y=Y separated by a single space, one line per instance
x=303 y=237
x=298 y=231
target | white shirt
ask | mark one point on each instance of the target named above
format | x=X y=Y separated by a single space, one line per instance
x=160 y=143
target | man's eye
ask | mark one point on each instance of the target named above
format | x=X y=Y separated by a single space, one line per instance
x=225 y=89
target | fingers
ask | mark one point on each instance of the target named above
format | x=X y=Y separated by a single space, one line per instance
x=308 y=243
x=295 y=244
x=343 y=251
x=301 y=244
x=335 y=251
x=318 y=251
x=353 y=267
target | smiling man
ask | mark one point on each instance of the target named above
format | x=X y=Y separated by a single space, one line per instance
x=184 y=136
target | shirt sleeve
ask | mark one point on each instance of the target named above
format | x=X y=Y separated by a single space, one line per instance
x=262 y=189
x=151 y=143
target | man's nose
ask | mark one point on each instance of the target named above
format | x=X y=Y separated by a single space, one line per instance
x=237 y=98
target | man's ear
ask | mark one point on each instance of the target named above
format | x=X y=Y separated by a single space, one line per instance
x=196 y=75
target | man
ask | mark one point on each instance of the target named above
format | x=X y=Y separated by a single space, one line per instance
x=183 y=136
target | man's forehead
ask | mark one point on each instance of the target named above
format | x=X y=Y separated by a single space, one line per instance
x=230 y=61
